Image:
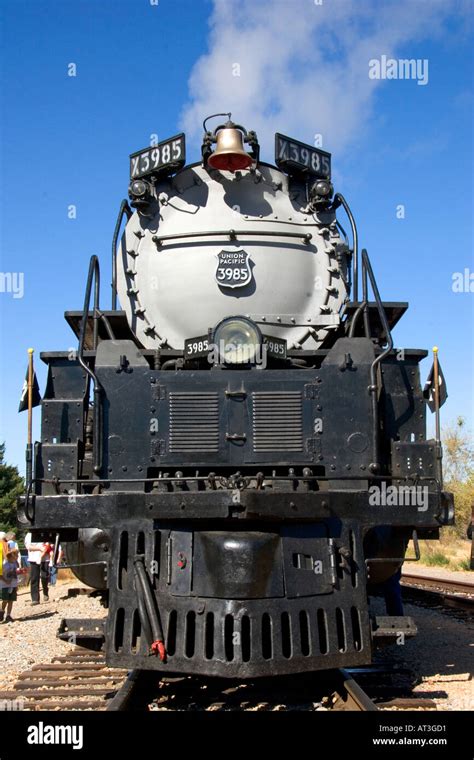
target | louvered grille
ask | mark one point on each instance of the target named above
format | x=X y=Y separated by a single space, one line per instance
x=277 y=421
x=194 y=422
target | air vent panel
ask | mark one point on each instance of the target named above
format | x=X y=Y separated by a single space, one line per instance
x=277 y=421
x=194 y=422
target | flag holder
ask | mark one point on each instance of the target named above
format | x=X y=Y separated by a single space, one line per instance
x=29 y=445
x=437 y=416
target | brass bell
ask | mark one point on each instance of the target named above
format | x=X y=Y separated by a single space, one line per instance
x=229 y=154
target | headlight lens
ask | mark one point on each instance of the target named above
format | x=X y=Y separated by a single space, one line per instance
x=138 y=188
x=238 y=341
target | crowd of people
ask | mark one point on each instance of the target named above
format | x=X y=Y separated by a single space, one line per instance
x=43 y=571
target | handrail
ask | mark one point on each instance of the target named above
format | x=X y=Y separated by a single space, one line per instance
x=93 y=274
x=339 y=200
x=306 y=237
x=124 y=209
x=368 y=271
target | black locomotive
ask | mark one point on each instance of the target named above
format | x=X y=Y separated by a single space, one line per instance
x=240 y=452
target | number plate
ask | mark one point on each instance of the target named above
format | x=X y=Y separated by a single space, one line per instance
x=291 y=155
x=276 y=347
x=167 y=156
x=196 y=347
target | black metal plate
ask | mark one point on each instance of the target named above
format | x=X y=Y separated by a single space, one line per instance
x=166 y=157
x=276 y=347
x=292 y=155
x=307 y=560
x=196 y=347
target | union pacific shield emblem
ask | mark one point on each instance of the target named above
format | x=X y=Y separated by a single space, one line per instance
x=233 y=269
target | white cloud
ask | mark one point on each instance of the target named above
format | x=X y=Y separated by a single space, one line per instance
x=303 y=66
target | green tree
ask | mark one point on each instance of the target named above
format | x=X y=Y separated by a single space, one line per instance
x=458 y=452
x=458 y=470
x=11 y=486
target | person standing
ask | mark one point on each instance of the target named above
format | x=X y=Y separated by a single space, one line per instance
x=53 y=568
x=3 y=549
x=38 y=557
x=8 y=585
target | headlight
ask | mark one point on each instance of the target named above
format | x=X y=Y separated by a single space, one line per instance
x=139 y=188
x=238 y=341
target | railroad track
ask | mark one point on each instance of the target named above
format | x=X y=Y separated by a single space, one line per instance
x=453 y=593
x=332 y=690
x=79 y=680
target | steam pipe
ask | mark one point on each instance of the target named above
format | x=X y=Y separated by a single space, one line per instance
x=158 y=644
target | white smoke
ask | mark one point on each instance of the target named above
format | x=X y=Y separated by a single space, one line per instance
x=301 y=67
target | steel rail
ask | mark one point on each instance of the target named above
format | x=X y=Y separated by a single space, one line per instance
x=351 y=695
x=438 y=584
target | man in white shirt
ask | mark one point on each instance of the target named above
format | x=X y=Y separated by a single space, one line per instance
x=38 y=557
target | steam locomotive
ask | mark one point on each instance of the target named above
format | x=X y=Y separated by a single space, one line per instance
x=216 y=455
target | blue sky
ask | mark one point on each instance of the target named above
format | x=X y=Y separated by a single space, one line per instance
x=144 y=69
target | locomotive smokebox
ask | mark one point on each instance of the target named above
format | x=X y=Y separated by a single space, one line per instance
x=232 y=236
